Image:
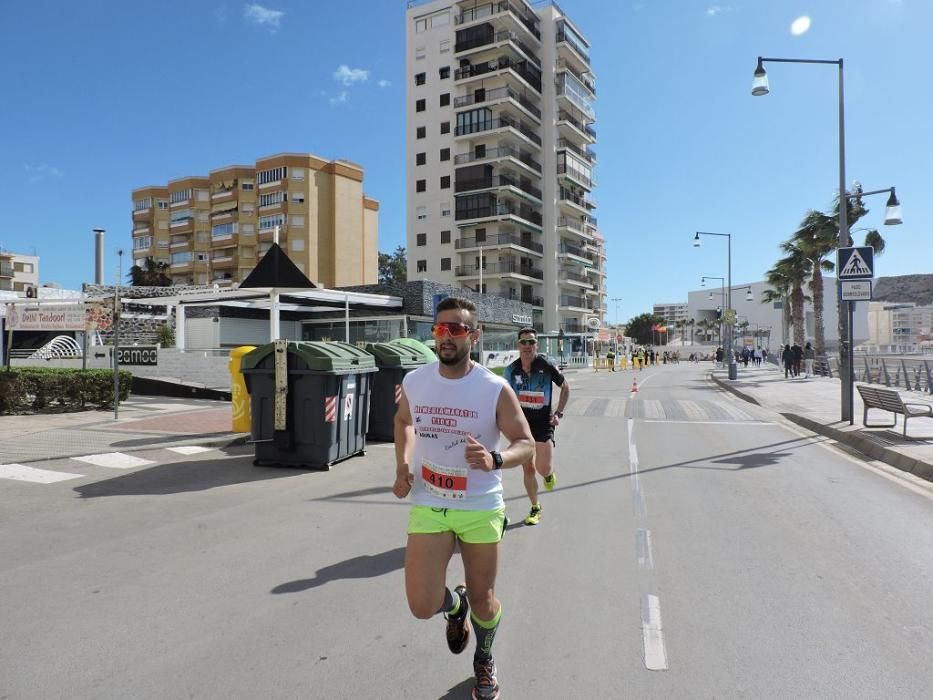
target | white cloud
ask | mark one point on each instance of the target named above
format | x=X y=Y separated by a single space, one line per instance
x=384 y=83
x=37 y=173
x=263 y=16
x=716 y=9
x=800 y=25
x=338 y=99
x=348 y=76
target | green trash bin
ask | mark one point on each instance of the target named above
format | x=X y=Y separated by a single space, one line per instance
x=394 y=360
x=326 y=403
x=425 y=352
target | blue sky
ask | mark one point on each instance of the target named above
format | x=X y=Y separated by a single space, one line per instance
x=100 y=97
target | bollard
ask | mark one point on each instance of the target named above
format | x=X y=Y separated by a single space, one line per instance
x=239 y=398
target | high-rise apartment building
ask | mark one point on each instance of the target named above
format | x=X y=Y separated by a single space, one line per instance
x=499 y=157
x=671 y=313
x=215 y=229
x=18 y=272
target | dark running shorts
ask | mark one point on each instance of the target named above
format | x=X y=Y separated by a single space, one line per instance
x=542 y=433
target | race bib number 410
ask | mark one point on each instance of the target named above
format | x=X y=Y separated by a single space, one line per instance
x=444 y=482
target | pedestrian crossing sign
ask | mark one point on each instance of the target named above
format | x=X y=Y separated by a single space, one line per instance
x=856 y=263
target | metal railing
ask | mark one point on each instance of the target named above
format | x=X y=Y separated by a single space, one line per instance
x=587 y=154
x=569 y=40
x=506 y=35
x=494 y=8
x=497 y=181
x=582 y=179
x=497 y=240
x=911 y=374
x=579 y=201
x=497 y=94
x=500 y=152
x=483 y=212
x=499 y=269
x=500 y=123
x=563 y=116
x=497 y=64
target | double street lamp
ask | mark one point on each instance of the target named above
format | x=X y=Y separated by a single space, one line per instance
x=760 y=87
x=733 y=369
x=722 y=297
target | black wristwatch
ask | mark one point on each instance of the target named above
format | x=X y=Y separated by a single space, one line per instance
x=496 y=460
x=559 y=414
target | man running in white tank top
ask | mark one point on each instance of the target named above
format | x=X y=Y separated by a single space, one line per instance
x=447 y=428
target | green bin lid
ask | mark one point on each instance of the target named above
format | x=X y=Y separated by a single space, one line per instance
x=426 y=353
x=395 y=355
x=316 y=356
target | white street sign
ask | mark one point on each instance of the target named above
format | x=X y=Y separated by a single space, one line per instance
x=856 y=290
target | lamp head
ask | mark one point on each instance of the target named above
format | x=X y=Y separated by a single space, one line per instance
x=760 y=81
x=892 y=212
x=696 y=241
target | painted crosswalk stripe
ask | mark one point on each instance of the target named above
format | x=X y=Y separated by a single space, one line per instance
x=653 y=634
x=653 y=408
x=189 y=449
x=114 y=460
x=18 y=472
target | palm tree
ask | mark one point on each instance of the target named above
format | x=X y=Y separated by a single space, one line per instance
x=691 y=322
x=780 y=293
x=815 y=240
x=796 y=269
x=703 y=326
x=153 y=274
x=682 y=325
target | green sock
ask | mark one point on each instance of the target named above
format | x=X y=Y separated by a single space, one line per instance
x=485 y=634
x=451 y=604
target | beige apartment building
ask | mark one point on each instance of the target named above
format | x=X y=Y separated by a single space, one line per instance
x=214 y=229
x=17 y=272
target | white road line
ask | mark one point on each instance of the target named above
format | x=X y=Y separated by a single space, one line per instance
x=653 y=634
x=18 y=472
x=693 y=410
x=632 y=450
x=643 y=553
x=653 y=408
x=189 y=449
x=638 y=499
x=708 y=422
x=114 y=460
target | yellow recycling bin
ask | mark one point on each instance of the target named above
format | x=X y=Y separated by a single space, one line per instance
x=239 y=397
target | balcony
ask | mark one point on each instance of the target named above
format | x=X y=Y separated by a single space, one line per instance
x=497 y=240
x=575 y=278
x=524 y=298
x=223 y=262
x=182 y=223
x=570 y=301
x=497 y=40
x=585 y=78
x=566 y=249
x=572 y=128
x=575 y=177
x=497 y=154
x=503 y=122
x=7 y=270
x=576 y=201
x=575 y=92
x=587 y=154
x=520 y=68
x=491 y=9
x=500 y=268
x=494 y=210
x=573 y=44
x=222 y=194
x=499 y=181
x=497 y=95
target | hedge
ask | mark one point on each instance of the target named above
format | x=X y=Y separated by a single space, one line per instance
x=44 y=390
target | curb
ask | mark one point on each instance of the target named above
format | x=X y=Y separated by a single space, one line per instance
x=862 y=445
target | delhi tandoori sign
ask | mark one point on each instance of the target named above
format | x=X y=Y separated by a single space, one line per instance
x=51 y=317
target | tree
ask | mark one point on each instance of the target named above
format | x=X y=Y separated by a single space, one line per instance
x=815 y=239
x=780 y=293
x=640 y=328
x=152 y=274
x=393 y=267
x=795 y=269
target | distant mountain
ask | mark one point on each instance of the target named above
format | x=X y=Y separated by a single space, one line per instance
x=915 y=288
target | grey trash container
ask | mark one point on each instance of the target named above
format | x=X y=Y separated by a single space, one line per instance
x=393 y=361
x=326 y=404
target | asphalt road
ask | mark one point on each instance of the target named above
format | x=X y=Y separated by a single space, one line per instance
x=696 y=547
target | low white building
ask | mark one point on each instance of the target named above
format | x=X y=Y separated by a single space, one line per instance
x=898 y=327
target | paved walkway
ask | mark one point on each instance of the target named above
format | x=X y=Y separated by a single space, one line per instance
x=144 y=422
x=814 y=403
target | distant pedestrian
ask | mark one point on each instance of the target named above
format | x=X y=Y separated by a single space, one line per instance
x=808 y=356
x=798 y=358
x=788 y=358
x=757 y=356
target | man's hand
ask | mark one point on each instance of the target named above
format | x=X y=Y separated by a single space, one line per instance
x=555 y=420
x=477 y=456
x=402 y=484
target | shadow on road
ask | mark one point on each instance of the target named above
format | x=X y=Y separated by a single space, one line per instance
x=464 y=689
x=366 y=566
x=184 y=477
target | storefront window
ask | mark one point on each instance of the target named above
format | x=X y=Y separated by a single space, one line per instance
x=373 y=331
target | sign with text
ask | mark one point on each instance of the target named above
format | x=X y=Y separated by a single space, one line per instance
x=137 y=355
x=48 y=317
x=856 y=290
x=856 y=263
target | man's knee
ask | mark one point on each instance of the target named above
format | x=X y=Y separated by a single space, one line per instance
x=425 y=609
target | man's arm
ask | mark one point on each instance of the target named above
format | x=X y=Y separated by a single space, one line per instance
x=512 y=424
x=404 y=439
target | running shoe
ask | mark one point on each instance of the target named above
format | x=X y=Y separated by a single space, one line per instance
x=534 y=517
x=550 y=481
x=458 y=626
x=487 y=687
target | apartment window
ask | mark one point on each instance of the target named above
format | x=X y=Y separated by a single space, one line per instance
x=445 y=264
x=142 y=243
x=421 y=239
x=420 y=105
x=421 y=185
x=203 y=195
x=480 y=235
x=422 y=213
x=267 y=223
x=298 y=197
x=297 y=245
x=180 y=196
x=419 y=53
x=203 y=217
x=296 y=220
x=264 y=248
x=163 y=225
x=248 y=228
x=422 y=266
x=271 y=199
x=271 y=175
x=421 y=132
x=445 y=48
x=420 y=78
x=445 y=209
x=247 y=208
x=445 y=154
x=444 y=72
x=421 y=25
x=181 y=258
x=297 y=174
x=223 y=230
x=445 y=127
x=445 y=182
x=445 y=99
x=141 y=204
x=162 y=204
x=181 y=215
x=445 y=237
x=247 y=186
x=421 y=158
x=441 y=19
x=203 y=236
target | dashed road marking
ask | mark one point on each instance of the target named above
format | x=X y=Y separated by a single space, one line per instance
x=653 y=633
x=114 y=460
x=189 y=449
x=19 y=472
x=643 y=554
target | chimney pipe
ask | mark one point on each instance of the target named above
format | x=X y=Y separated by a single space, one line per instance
x=99 y=256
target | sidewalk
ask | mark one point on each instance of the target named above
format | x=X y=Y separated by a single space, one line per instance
x=814 y=404
x=145 y=422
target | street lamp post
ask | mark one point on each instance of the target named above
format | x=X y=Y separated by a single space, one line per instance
x=760 y=87
x=116 y=336
x=722 y=297
x=733 y=369
x=617 y=300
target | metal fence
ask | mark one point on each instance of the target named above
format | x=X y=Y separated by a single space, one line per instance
x=912 y=374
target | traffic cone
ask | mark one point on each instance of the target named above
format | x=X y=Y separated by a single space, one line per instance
x=634 y=386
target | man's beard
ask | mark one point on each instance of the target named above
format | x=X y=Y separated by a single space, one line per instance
x=457 y=358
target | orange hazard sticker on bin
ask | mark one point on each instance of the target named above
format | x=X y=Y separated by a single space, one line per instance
x=330 y=409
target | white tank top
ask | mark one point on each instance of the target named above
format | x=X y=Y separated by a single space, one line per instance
x=444 y=411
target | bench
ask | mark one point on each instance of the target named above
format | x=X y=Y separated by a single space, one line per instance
x=891 y=401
